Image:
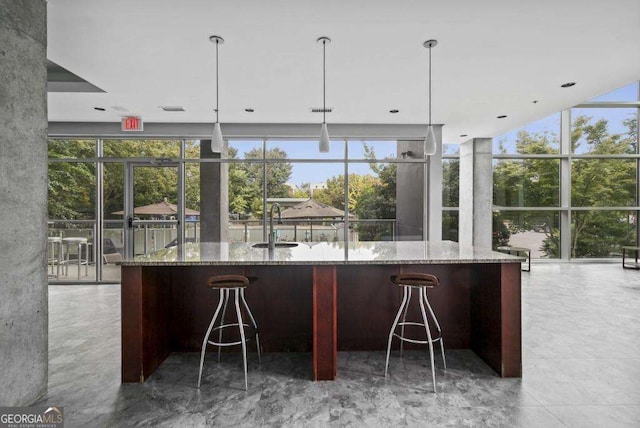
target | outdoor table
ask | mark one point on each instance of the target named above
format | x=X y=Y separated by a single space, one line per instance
x=80 y=242
x=630 y=264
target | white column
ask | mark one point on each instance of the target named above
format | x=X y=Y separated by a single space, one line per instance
x=476 y=193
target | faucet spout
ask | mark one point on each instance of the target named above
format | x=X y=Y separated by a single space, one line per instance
x=272 y=232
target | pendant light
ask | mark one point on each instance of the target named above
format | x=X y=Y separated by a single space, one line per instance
x=217 y=143
x=430 y=139
x=325 y=143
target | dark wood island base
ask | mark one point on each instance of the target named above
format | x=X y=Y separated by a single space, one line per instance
x=321 y=308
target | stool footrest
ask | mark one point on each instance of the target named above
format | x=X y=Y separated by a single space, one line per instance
x=419 y=341
x=238 y=342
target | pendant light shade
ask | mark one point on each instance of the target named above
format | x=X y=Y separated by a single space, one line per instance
x=217 y=142
x=430 y=147
x=325 y=142
x=430 y=142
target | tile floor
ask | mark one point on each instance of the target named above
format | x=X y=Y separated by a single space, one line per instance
x=581 y=364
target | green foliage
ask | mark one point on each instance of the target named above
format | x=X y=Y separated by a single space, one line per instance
x=501 y=233
x=450 y=183
x=151 y=184
x=377 y=201
x=246 y=181
x=71 y=185
x=333 y=194
x=594 y=183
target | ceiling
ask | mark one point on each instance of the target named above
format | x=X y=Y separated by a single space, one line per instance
x=494 y=57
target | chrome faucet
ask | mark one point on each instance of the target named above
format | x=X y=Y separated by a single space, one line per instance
x=272 y=233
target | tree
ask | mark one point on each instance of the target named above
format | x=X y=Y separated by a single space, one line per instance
x=151 y=185
x=450 y=198
x=378 y=201
x=594 y=183
x=246 y=181
x=602 y=182
x=71 y=185
x=303 y=191
x=333 y=194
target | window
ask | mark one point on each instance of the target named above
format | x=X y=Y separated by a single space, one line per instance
x=594 y=185
x=540 y=137
x=526 y=182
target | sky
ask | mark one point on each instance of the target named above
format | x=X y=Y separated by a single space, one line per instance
x=551 y=124
x=320 y=172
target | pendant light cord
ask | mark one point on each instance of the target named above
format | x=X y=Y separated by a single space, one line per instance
x=324 y=82
x=217 y=90
x=429 y=85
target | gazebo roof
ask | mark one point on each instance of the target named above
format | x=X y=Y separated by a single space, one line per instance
x=161 y=208
x=312 y=209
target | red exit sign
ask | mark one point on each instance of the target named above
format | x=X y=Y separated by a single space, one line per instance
x=131 y=123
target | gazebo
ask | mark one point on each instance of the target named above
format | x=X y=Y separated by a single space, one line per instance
x=164 y=208
x=312 y=210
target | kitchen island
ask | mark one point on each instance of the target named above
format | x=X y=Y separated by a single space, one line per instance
x=320 y=297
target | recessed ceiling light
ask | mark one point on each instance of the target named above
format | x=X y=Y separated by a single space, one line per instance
x=535 y=101
x=463 y=135
x=172 y=108
x=120 y=109
x=99 y=108
x=502 y=116
x=394 y=111
x=567 y=85
x=249 y=110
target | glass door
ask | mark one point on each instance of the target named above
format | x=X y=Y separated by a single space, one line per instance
x=154 y=218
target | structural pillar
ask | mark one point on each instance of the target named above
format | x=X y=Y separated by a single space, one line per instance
x=23 y=211
x=476 y=193
x=214 y=195
x=410 y=192
x=419 y=191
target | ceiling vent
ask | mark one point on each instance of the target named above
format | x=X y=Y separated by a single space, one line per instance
x=172 y=108
x=321 y=110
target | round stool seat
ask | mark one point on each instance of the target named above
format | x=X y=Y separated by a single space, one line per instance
x=229 y=281
x=75 y=240
x=416 y=280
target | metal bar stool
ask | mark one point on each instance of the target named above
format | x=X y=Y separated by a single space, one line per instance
x=80 y=242
x=54 y=248
x=226 y=284
x=420 y=282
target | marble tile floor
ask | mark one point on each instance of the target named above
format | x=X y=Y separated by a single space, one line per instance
x=581 y=364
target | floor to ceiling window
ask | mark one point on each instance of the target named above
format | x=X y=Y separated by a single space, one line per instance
x=450 y=191
x=567 y=185
x=135 y=196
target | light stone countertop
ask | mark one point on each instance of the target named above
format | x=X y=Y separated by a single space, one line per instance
x=321 y=253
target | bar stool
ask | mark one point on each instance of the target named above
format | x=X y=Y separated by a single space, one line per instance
x=226 y=284
x=54 y=250
x=420 y=282
x=79 y=242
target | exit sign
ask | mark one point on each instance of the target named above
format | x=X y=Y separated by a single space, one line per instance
x=131 y=123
